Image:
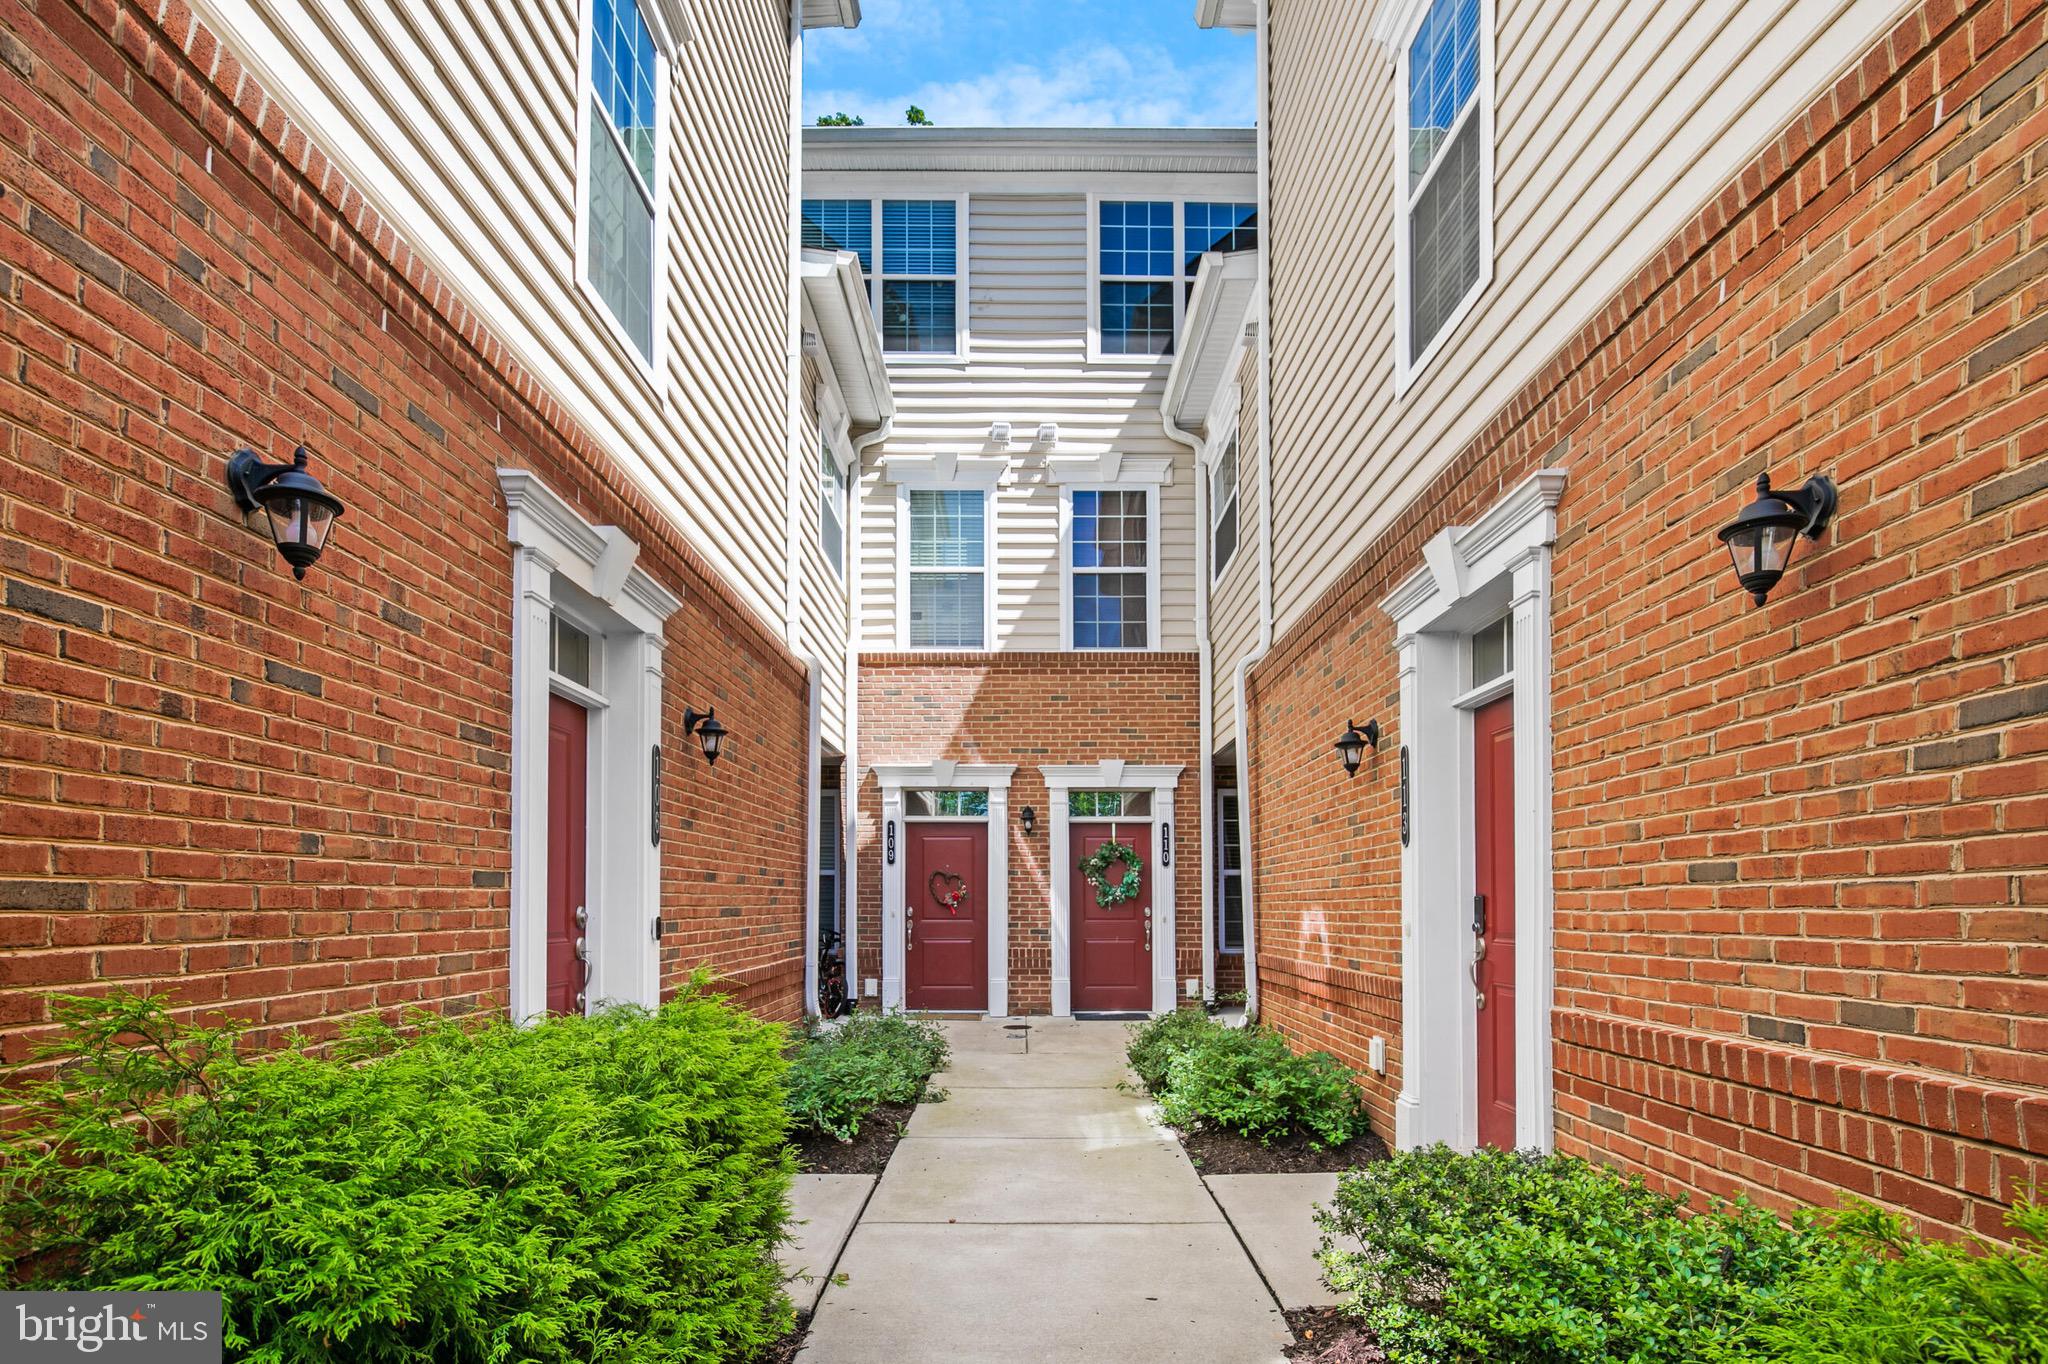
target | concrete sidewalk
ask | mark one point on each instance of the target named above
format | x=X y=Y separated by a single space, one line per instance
x=1036 y=1215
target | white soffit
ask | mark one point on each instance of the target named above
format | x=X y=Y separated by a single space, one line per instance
x=853 y=348
x=831 y=13
x=1239 y=16
x=1224 y=288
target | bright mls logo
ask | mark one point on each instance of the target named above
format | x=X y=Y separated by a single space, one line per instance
x=145 y=1328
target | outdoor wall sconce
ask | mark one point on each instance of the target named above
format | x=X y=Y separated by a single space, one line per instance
x=1028 y=817
x=1762 y=538
x=709 y=732
x=301 y=512
x=1352 y=745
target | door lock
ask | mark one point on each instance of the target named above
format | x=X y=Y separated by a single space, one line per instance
x=582 y=917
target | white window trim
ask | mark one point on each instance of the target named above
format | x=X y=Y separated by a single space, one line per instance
x=1222 y=428
x=564 y=564
x=1467 y=573
x=947 y=475
x=1405 y=22
x=1066 y=566
x=665 y=21
x=840 y=452
x=894 y=780
x=880 y=277
x=1222 y=841
x=1181 y=281
x=1114 y=774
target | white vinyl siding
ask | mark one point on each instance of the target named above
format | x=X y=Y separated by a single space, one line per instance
x=825 y=616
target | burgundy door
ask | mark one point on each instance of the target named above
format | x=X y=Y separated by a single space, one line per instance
x=568 y=820
x=1493 y=738
x=1112 y=944
x=945 y=917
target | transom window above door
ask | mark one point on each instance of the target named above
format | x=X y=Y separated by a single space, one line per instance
x=1493 y=651
x=622 y=159
x=945 y=804
x=917 y=292
x=1109 y=804
x=947 y=569
x=1111 y=569
x=1148 y=252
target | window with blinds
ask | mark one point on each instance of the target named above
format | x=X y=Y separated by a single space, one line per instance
x=844 y=225
x=948 y=568
x=1443 y=197
x=829 y=913
x=1223 y=511
x=832 y=509
x=1229 y=875
x=623 y=150
x=920 y=276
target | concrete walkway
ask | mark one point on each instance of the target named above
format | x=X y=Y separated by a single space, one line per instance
x=1037 y=1215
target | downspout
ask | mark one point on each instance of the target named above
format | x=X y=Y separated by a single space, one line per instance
x=850 y=782
x=1249 y=881
x=1206 y=708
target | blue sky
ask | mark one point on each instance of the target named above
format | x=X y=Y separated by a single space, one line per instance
x=1031 y=63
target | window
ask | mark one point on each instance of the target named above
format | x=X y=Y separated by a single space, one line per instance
x=1137 y=305
x=1109 y=804
x=1444 y=202
x=1216 y=227
x=945 y=804
x=829 y=913
x=920 y=276
x=1493 y=651
x=1223 y=511
x=619 y=254
x=1112 y=579
x=844 y=225
x=568 y=652
x=948 y=568
x=1229 y=875
x=832 y=508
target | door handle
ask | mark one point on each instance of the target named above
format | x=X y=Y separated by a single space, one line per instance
x=1479 y=916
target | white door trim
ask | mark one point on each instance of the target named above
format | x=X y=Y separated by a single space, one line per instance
x=1113 y=774
x=560 y=559
x=1471 y=575
x=994 y=778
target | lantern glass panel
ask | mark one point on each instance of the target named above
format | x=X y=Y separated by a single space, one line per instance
x=287 y=519
x=318 y=520
x=1762 y=549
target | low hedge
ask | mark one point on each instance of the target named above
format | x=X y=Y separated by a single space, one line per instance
x=1245 y=1080
x=1514 y=1256
x=843 y=1072
x=608 y=1188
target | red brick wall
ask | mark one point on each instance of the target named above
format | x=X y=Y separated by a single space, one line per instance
x=1801 y=858
x=290 y=802
x=1033 y=709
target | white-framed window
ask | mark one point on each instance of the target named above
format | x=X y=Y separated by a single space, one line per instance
x=621 y=171
x=1444 y=197
x=1223 y=510
x=1112 y=568
x=918 y=290
x=1229 y=874
x=1146 y=254
x=947 y=570
x=844 y=225
x=832 y=499
x=830 y=912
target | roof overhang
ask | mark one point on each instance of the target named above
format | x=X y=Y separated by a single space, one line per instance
x=831 y=13
x=838 y=296
x=1013 y=151
x=1225 y=287
x=1239 y=16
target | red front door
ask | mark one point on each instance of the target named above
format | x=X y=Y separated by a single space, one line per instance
x=1112 y=944
x=568 y=827
x=1493 y=738
x=945 y=917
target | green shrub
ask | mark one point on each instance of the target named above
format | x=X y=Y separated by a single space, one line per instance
x=1900 y=1300
x=1512 y=1256
x=609 y=1188
x=1155 y=1042
x=1249 y=1081
x=841 y=1074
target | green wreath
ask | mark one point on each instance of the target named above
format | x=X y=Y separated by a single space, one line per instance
x=1096 y=868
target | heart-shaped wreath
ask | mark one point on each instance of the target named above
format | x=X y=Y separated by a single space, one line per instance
x=1096 y=867
x=949 y=892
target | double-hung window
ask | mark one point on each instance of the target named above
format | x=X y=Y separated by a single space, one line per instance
x=621 y=158
x=1223 y=510
x=1229 y=875
x=917 y=293
x=1445 y=198
x=1148 y=252
x=948 y=568
x=844 y=225
x=1111 y=568
x=832 y=508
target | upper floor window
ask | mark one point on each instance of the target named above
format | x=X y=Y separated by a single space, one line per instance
x=919 y=284
x=1148 y=252
x=622 y=157
x=1112 y=569
x=1445 y=198
x=832 y=508
x=948 y=567
x=844 y=225
x=1223 y=510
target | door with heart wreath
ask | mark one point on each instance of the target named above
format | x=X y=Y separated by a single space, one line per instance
x=945 y=916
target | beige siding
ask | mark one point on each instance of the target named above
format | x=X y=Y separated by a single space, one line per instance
x=462 y=116
x=1234 y=598
x=823 y=607
x=1616 y=122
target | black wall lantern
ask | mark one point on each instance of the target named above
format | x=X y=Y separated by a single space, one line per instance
x=1762 y=539
x=301 y=512
x=1352 y=745
x=711 y=734
x=1028 y=817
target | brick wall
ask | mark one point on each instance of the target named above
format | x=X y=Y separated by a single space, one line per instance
x=1801 y=859
x=286 y=802
x=1033 y=709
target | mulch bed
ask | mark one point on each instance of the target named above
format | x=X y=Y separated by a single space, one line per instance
x=784 y=1350
x=1324 y=1335
x=866 y=1154
x=1216 y=1152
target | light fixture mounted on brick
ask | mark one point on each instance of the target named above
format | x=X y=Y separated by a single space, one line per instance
x=1028 y=818
x=1352 y=745
x=709 y=732
x=301 y=512
x=1762 y=539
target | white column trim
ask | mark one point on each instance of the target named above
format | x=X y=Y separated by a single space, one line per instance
x=896 y=778
x=1113 y=774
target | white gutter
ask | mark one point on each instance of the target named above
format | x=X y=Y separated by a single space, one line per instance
x=1204 y=653
x=1246 y=808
